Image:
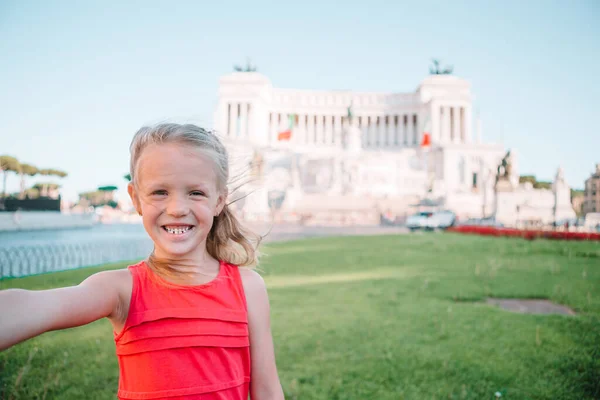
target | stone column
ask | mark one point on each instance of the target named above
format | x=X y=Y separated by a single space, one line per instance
x=390 y=131
x=249 y=120
x=369 y=131
x=337 y=130
x=364 y=127
x=312 y=129
x=396 y=131
x=372 y=131
x=467 y=124
x=233 y=109
x=361 y=125
x=406 y=129
x=307 y=128
x=456 y=125
x=325 y=134
x=446 y=125
x=316 y=130
x=319 y=129
x=435 y=123
x=328 y=130
x=279 y=120
x=451 y=128
x=302 y=128
x=385 y=131
x=381 y=132
x=403 y=129
x=416 y=122
x=241 y=130
x=270 y=118
x=409 y=129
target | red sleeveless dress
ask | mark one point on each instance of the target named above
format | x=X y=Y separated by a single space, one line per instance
x=185 y=342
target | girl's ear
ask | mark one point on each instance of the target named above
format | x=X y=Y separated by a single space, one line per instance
x=134 y=197
x=221 y=201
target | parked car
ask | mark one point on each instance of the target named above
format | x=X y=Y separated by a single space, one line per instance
x=442 y=220
x=431 y=220
x=592 y=221
x=418 y=220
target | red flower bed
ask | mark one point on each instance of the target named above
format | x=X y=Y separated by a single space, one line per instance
x=525 y=234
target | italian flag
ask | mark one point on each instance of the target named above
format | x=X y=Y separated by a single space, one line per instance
x=287 y=134
x=426 y=139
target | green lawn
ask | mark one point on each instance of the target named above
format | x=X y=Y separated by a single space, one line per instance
x=385 y=317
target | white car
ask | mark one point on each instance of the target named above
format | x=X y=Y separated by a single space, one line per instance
x=431 y=220
x=592 y=221
x=418 y=220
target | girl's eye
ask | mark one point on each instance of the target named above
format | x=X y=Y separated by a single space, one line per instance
x=196 y=193
x=159 y=192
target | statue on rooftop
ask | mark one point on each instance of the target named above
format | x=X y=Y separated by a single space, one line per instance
x=435 y=69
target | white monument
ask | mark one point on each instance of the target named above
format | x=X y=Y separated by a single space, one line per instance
x=345 y=150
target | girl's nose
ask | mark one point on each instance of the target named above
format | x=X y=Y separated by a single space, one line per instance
x=178 y=207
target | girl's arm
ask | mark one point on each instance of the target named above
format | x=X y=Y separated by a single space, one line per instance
x=265 y=383
x=25 y=313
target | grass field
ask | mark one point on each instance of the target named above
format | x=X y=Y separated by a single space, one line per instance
x=383 y=317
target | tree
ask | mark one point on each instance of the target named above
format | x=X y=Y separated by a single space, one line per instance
x=32 y=193
x=527 y=178
x=536 y=184
x=93 y=198
x=59 y=173
x=44 y=188
x=50 y=172
x=127 y=177
x=107 y=193
x=542 y=185
x=8 y=164
x=99 y=197
x=577 y=194
x=49 y=185
x=29 y=170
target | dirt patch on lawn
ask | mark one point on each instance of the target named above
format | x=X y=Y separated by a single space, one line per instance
x=529 y=306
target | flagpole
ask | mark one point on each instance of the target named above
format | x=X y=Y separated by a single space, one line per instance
x=426 y=147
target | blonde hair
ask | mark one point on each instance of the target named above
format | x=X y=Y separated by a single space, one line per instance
x=228 y=239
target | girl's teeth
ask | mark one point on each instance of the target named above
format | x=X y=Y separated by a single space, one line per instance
x=177 y=231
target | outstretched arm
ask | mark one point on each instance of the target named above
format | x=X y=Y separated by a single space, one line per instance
x=26 y=313
x=265 y=383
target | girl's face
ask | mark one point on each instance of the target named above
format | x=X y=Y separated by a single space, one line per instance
x=178 y=196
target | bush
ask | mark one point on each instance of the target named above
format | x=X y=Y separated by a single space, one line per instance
x=525 y=234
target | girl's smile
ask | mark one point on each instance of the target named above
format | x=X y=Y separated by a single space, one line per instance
x=179 y=232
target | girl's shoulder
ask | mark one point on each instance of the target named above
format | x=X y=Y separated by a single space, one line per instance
x=251 y=279
x=123 y=278
x=255 y=293
x=119 y=279
x=122 y=281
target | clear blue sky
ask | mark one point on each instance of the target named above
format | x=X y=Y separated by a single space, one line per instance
x=79 y=78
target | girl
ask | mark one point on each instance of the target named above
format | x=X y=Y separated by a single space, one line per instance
x=188 y=323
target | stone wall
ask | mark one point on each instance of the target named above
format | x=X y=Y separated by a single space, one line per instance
x=37 y=220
